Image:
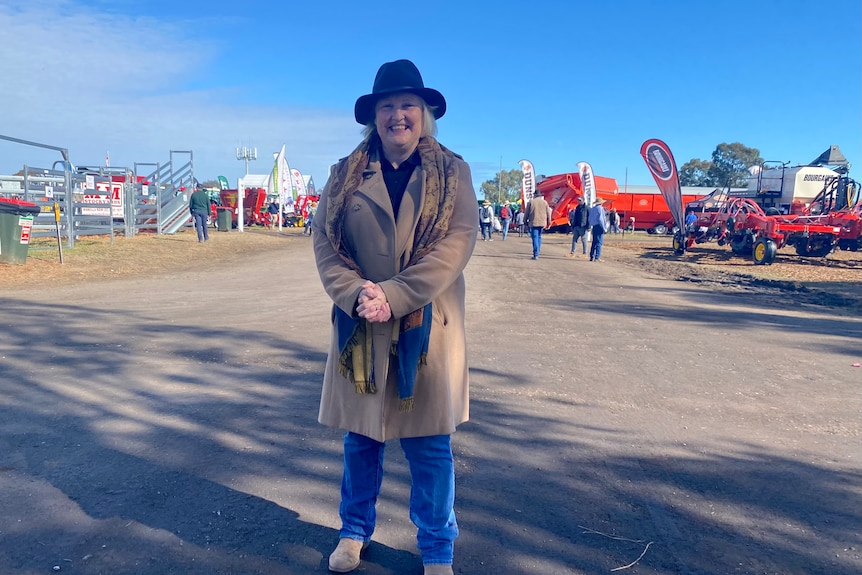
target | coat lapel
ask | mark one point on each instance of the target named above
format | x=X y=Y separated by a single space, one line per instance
x=408 y=213
x=374 y=188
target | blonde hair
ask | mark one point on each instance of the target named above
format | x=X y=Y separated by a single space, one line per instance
x=429 y=122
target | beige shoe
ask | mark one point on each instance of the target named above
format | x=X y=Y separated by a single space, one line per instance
x=345 y=558
x=438 y=570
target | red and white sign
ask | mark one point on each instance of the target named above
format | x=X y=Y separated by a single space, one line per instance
x=115 y=190
x=99 y=200
x=26 y=223
x=662 y=166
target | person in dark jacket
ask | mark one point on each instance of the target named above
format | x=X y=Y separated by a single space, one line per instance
x=273 y=211
x=201 y=209
x=578 y=221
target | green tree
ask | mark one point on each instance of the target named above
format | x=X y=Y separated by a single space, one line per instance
x=695 y=173
x=504 y=186
x=729 y=167
x=730 y=163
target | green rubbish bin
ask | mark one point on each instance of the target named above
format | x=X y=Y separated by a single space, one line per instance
x=16 y=222
x=224 y=219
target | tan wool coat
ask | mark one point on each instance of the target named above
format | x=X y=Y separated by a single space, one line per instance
x=382 y=247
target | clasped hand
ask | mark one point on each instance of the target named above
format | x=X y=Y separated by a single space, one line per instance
x=372 y=305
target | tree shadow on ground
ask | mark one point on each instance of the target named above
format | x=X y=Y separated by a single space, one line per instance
x=135 y=446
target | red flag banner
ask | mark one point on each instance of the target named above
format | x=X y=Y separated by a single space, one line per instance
x=662 y=166
x=528 y=182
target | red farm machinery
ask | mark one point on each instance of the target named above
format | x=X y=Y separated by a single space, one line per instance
x=254 y=207
x=776 y=216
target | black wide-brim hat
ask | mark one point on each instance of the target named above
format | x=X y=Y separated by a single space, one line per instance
x=397 y=76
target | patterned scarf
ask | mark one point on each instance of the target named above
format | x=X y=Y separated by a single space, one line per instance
x=410 y=342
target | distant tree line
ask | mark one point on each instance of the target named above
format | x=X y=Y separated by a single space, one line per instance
x=728 y=168
x=503 y=186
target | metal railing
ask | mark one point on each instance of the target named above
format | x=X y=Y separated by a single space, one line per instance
x=149 y=198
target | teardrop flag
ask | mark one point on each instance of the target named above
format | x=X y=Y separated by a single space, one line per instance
x=662 y=166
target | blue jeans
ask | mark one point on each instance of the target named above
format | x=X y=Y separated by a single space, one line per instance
x=598 y=240
x=505 y=224
x=579 y=233
x=432 y=492
x=486 y=230
x=536 y=235
x=201 y=225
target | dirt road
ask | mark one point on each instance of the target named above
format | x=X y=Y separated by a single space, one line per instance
x=167 y=425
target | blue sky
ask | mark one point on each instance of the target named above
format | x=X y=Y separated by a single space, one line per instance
x=554 y=82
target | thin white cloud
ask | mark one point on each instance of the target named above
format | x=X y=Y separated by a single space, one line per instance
x=94 y=82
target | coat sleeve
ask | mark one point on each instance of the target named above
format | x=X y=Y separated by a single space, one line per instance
x=422 y=282
x=341 y=283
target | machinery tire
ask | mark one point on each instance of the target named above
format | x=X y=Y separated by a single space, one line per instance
x=678 y=244
x=819 y=251
x=660 y=229
x=764 y=251
x=740 y=244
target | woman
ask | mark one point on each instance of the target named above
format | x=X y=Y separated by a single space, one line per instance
x=396 y=225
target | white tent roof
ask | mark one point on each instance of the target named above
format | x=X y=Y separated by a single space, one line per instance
x=256 y=180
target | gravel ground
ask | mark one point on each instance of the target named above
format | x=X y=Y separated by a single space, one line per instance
x=835 y=280
x=158 y=402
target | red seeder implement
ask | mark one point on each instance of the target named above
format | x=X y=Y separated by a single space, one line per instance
x=749 y=230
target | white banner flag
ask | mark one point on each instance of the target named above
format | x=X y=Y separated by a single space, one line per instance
x=528 y=182
x=588 y=183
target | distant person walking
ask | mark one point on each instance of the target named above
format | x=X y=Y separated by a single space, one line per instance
x=539 y=219
x=312 y=211
x=578 y=219
x=505 y=218
x=519 y=221
x=614 y=221
x=690 y=221
x=598 y=221
x=273 y=212
x=200 y=209
x=486 y=221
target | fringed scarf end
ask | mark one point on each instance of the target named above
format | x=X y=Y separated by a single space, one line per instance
x=344 y=370
x=364 y=387
x=406 y=405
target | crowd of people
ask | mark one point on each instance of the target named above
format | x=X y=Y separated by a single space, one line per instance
x=585 y=222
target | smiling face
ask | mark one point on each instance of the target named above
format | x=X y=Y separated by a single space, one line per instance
x=398 y=119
